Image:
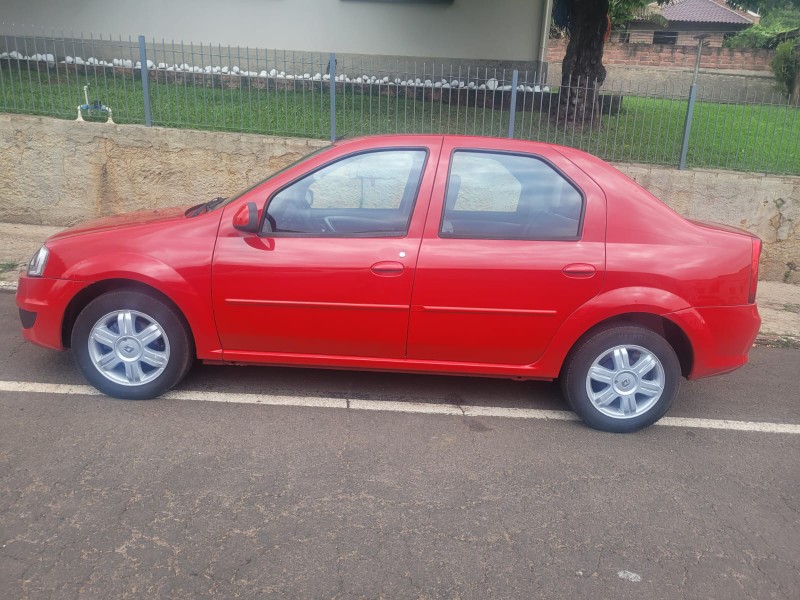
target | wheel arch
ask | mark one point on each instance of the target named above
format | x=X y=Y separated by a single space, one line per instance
x=97 y=289
x=659 y=324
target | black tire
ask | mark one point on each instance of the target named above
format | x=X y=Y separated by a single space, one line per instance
x=176 y=340
x=619 y=416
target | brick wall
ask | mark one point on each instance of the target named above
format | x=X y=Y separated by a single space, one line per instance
x=672 y=56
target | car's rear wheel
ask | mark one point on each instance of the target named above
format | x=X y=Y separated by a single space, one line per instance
x=131 y=345
x=621 y=379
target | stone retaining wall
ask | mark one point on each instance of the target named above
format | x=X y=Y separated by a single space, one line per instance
x=55 y=172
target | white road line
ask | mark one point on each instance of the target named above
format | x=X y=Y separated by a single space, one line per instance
x=48 y=388
x=199 y=396
x=394 y=406
x=761 y=427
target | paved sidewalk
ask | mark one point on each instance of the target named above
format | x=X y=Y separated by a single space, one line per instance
x=778 y=303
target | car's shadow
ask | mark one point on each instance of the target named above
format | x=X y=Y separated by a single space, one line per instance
x=398 y=387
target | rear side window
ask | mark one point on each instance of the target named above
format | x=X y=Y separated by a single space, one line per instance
x=509 y=196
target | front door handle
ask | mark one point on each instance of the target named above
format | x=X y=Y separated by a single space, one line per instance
x=387 y=268
x=579 y=271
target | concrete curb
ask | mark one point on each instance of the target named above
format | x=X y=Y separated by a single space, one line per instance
x=777 y=341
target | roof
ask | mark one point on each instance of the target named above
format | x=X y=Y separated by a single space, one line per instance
x=704 y=11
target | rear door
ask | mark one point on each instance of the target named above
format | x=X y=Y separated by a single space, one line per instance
x=514 y=242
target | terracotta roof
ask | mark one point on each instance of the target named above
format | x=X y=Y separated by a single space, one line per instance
x=703 y=11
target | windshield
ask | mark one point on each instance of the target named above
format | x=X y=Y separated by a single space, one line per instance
x=275 y=174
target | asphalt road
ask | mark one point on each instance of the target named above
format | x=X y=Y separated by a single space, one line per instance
x=101 y=498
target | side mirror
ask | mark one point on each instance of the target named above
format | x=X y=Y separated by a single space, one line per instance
x=246 y=218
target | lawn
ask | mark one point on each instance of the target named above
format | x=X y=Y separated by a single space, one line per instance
x=745 y=136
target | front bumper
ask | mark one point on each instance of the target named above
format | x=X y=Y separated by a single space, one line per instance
x=43 y=303
x=721 y=336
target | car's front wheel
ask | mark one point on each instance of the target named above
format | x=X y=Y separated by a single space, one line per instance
x=131 y=345
x=622 y=378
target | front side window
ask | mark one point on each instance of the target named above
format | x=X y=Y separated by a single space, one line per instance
x=509 y=196
x=370 y=194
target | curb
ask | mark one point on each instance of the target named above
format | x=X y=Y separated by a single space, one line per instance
x=8 y=286
x=771 y=340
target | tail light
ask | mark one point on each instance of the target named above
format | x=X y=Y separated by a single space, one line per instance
x=754 y=270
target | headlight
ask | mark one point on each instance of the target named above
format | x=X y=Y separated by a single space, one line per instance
x=36 y=266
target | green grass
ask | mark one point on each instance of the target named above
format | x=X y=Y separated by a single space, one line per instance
x=745 y=137
x=8 y=266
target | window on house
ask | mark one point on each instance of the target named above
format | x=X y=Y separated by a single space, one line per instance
x=665 y=38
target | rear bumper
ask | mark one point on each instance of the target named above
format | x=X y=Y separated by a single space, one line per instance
x=42 y=303
x=721 y=336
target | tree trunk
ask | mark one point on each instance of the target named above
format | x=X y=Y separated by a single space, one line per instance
x=794 y=98
x=582 y=71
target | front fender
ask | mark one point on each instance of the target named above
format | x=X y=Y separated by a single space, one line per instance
x=189 y=289
x=602 y=307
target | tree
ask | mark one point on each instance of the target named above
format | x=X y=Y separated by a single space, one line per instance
x=769 y=32
x=588 y=23
x=763 y=7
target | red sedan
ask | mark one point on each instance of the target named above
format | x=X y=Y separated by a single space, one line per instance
x=434 y=254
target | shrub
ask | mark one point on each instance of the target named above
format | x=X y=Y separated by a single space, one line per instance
x=786 y=65
x=769 y=32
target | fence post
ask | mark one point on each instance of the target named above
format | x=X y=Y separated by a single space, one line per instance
x=513 y=108
x=148 y=121
x=332 y=73
x=687 y=126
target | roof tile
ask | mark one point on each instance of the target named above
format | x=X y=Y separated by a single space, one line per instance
x=702 y=11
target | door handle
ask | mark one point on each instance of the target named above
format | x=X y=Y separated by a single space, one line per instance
x=579 y=271
x=387 y=268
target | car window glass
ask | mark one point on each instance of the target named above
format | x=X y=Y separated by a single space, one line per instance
x=366 y=194
x=509 y=196
x=485 y=184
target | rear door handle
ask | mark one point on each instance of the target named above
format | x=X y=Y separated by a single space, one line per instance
x=579 y=271
x=387 y=268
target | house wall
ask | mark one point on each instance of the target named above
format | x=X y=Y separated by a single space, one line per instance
x=643 y=32
x=62 y=172
x=465 y=29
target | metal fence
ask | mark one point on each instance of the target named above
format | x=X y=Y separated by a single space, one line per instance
x=319 y=95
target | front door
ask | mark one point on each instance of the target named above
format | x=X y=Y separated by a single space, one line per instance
x=331 y=272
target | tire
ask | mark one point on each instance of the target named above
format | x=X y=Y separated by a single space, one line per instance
x=621 y=379
x=131 y=345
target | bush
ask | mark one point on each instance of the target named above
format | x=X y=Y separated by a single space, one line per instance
x=769 y=32
x=786 y=65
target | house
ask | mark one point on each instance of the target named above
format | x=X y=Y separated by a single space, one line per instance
x=686 y=19
x=503 y=30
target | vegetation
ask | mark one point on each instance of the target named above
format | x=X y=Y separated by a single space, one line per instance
x=786 y=67
x=769 y=32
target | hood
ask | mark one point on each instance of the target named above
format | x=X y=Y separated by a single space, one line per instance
x=134 y=219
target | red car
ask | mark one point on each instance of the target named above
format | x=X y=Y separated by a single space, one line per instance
x=432 y=254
